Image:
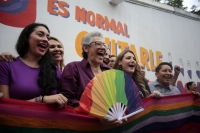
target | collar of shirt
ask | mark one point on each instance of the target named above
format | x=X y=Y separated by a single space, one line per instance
x=86 y=64
x=156 y=83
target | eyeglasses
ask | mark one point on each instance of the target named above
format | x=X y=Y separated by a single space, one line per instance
x=112 y=60
x=100 y=44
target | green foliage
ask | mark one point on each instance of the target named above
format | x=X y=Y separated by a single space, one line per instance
x=179 y=4
x=196 y=12
x=176 y=3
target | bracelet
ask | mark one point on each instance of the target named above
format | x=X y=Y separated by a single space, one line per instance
x=39 y=99
x=36 y=99
x=42 y=99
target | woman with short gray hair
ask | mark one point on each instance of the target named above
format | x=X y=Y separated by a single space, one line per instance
x=87 y=41
x=77 y=75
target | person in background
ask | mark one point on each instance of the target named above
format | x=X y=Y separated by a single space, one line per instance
x=177 y=71
x=143 y=72
x=174 y=78
x=192 y=87
x=112 y=61
x=106 y=57
x=33 y=76
x=162 y=83
x=56 y=50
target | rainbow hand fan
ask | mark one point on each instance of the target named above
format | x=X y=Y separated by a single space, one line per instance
x=111 y=94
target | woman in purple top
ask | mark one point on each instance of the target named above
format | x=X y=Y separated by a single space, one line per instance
x=33 y=76
x=56 y=50
x=77 y=75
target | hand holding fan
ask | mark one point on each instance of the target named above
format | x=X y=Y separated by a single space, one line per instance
x=109 y=95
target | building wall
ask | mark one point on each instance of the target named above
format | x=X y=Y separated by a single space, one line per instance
x=154 y=31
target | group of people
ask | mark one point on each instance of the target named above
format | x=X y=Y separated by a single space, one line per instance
x=39 y=73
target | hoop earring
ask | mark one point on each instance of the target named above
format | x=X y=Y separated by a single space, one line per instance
x=120 y=67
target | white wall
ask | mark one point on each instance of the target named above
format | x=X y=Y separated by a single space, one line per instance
x=150 y=25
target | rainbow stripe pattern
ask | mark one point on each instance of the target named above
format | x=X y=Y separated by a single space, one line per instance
x=170 y=114
x=108 y=89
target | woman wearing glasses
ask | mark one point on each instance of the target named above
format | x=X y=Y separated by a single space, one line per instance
x=77 y=75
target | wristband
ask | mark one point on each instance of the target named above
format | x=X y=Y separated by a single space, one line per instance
x=36 y=99
x=42 y=99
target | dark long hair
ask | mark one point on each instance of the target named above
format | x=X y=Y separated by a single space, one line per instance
x=47 y=78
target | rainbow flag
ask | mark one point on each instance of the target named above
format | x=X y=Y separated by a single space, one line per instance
x=170 y=114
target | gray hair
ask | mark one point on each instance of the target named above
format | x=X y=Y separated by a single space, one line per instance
x=89 y=37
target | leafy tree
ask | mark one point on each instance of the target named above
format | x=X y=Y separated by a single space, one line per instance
x=196 y=12
x=176 y=3
x=195 y=9
x=179 y=4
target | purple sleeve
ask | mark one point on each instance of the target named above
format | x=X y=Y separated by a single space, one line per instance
x=4 y=73
x=58 y=72
x=69 y=84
